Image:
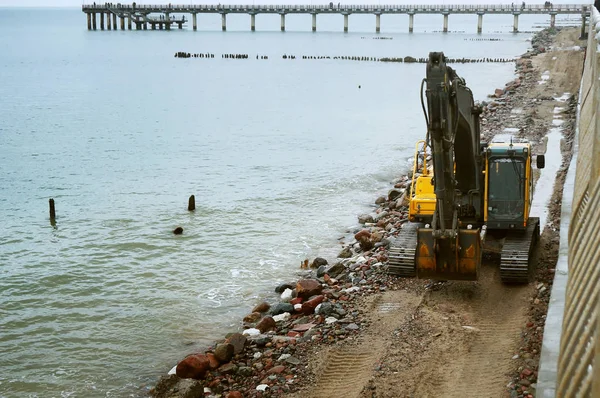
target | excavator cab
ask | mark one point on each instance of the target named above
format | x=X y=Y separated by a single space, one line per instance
x=422 y=196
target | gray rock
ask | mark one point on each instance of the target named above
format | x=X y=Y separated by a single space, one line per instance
x=336 y=269
x=293 y=360
x=260 y=340
x=321 y=271
x=245 y=371
x=345 y=253
x=352 y=326
x=317 y=262
x=279 y=289
x=224 y=352
x=325 y=308
x=380 y=200
x=280 y=308
x=395 y=193
x=365 y=218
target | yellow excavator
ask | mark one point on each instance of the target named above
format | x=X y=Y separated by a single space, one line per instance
x=471 y=189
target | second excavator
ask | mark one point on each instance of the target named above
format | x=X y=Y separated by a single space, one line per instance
x=472 y=189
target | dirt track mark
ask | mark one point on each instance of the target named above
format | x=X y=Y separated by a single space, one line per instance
x=346 y=371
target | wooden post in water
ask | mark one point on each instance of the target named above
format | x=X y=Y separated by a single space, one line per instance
x=192 y=203
x=52 y=211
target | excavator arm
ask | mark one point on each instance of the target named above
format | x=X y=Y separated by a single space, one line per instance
x=451 y=247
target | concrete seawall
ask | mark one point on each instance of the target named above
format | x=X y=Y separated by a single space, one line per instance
x=571 y=331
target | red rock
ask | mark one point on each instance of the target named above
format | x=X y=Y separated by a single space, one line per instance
x=308 y=287
x=238 y=341
x=262 y=307
x=308 y=307
x=254 y=317
x=303 y=327
x=292 y=333
x=193 y=367
x=266 y=324
x=344 y=298
x=234 y=394
x=526 y=372
x=212 y=361
x=498 y=93
x=296 y=300
x=276 y=369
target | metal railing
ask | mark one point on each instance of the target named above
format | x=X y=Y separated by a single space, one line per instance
x=538 y=8
x=578 y=372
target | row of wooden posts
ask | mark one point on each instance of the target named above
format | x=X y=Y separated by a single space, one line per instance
x=176 y=231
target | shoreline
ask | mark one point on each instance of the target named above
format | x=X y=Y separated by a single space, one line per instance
x=281 y=354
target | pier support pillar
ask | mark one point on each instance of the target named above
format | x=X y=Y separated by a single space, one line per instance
x=101 y=21
x=160 y=26
x=145 y=25
x=283 y=22
x=552 y=20
x=314 y=22
x=377 y=23
x=114 y=21
x=89 y=17
x=194 y=21
x=94 y=20
x=129 y=22
x=411 y=22
x=583 y=17
x=446 y=23
x=479 y=22
x=122 y=23
x=223 y=22
x=253 y=22
x=168 y=19
x=108 y=22
x=153 y=26
x=345 y=23
x=516 y=23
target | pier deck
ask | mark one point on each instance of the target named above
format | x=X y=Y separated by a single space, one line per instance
x=139 y=14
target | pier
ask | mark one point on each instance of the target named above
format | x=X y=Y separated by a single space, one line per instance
x=161 y=15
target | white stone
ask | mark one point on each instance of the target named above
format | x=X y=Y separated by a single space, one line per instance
x=257 y=355
x=329 y=320
x=351 y=289
x=283 y=357
x=262 y=387
x=251 y=332
x=317 y=309
x=173 y=370
x=286 y=296
x=297 y=307
x=282 y=317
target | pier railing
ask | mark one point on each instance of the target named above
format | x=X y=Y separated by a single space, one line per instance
x=327 y=8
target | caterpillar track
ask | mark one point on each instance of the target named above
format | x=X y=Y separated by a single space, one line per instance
x=518 y=253
x=402 y=252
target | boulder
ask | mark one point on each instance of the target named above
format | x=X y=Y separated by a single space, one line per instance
x=321 y=271
x=325 y=308
x=279 y=289
x=345 y=253
x=193 y=367
x=380 y=200
x=266 y=324
x=336 y=269
x=307 y=288
x=262 y=307
x=364 y=239
x=212 y=361
x=238 y=341
x=365 y=218
x=224 y=352
x=318 y=262
x=394 y=193
x=254 y=317
x=308 y=307
x=280 y=308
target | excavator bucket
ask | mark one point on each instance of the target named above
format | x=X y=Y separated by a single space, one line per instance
x=449 y=258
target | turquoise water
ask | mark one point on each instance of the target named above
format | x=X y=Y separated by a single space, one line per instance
x=281 y=155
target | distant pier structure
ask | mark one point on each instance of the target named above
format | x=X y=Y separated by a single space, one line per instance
x=160 y=16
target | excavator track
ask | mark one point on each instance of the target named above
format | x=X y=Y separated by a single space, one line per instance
x=517 y=253
x=402 y=252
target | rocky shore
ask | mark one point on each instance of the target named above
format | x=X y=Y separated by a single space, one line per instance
x=287 y=348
